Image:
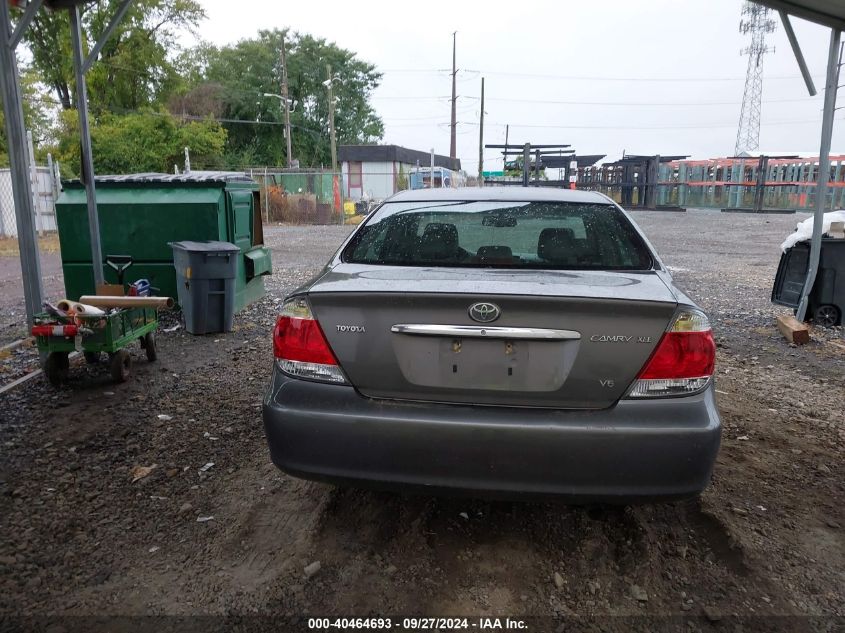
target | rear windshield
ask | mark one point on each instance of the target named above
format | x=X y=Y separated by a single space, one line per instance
x=546 y=235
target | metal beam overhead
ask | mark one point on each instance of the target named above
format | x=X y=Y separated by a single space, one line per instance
x=830 y=13
x=508 y=146
x=799 y=56
x=23 y=23
x=104 y=37
x=519 y=152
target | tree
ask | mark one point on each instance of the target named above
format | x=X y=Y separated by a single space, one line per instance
x=150 y=141
x=134 y=68
x=514 y=169
x=250 y=68
x=401 y=183
x=203 y=100
x=36 y=117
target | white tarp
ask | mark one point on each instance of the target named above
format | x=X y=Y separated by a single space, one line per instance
x=804 y=230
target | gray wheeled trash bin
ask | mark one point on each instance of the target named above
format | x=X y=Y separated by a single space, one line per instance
x=205 y=279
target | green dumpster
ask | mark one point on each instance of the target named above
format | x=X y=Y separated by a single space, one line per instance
x=140 y=214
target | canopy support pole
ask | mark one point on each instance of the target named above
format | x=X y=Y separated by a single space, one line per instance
x=831 y=85
x=85 y=143
x=10 y=94
x=23 y=23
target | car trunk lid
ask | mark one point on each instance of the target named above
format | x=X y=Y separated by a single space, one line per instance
x=563 y=339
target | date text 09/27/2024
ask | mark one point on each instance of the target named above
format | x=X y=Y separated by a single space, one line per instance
x=417 y=624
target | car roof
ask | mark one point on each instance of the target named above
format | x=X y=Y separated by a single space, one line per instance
x=521 y=194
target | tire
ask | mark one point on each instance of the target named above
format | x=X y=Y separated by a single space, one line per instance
x=121 y=363
x=826 y=315
x=92 y=358
x=148 y=342
x=57 y=368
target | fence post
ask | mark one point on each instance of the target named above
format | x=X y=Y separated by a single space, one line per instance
x=266 y=198
x=58 y=178
x=53 y=189
x=33 y=181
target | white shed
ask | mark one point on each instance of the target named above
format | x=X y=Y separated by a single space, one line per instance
x=378 y=171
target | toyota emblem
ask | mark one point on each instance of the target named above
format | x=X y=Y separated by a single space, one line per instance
x=484 y=312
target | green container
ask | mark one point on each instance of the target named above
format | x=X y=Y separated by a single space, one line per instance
x=141 y=213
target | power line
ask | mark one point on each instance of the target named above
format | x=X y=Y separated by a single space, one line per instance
x=640 y=103
x=448 y=123
x=596 y=103
x=191 y=117
x=421 y=98
x=414 y=70
x=685 y=79
x=627 y=78
x=635 y=127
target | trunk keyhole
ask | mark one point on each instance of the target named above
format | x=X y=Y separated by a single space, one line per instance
x=510 y=371
x=454 y=369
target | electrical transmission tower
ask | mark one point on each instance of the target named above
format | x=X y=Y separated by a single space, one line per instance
x=755 y=22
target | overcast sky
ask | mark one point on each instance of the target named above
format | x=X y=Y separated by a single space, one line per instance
x=649 y=77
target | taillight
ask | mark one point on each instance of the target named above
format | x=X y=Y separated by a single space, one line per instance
x=682 y=362
x=300 y=347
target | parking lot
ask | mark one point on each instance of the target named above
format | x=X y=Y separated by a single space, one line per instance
x=212 y=527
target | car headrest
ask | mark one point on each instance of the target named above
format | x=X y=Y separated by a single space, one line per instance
x=556 y=244
x=495 y=254
x=439 y=241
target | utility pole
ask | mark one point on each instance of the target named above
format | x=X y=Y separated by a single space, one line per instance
x=286 y=102
x=431 y=179
x=526 y=163
x=331 y=118
x=453 y=140
x=481 y=139
x=505 y=155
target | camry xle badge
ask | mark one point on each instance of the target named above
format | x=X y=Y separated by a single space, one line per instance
x=484 y=312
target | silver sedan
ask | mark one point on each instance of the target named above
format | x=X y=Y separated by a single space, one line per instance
x=496 y=341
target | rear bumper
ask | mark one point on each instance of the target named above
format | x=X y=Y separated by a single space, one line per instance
x=636 y=451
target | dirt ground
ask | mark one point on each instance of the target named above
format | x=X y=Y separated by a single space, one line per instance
x=12 y=311
x=215 y=528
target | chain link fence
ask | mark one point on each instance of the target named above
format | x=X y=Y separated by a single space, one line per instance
x=314 y=196
x=44 y=183
x=299 y=196
x=45 y=189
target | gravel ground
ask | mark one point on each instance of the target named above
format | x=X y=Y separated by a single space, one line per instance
x=235 y=538
x=18 y=361
x=12 y=311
